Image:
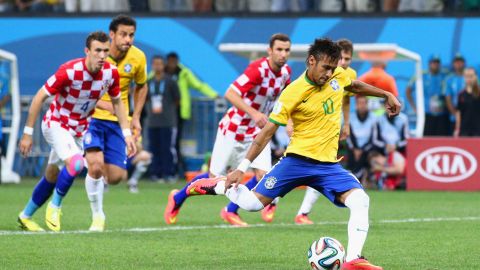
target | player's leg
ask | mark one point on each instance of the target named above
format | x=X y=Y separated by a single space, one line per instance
x=287 y=174
x=94 y=141
x=69 y=150
x=343 y=189
x=310 y=198
x=42 y=191
x=222 y=150
x=141 y=162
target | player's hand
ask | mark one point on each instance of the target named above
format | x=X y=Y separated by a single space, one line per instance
x=234 y=178
x=392 y=105
x=345 y=132
x=260 y=119
x=131 y=146
x=25 y=145
x=136 y=127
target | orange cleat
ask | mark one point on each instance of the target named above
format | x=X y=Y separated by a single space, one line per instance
x=171 y=211
x=360 y=264
x=232 y=218
x=204 y=186
x=269 y=212
x=303 y=219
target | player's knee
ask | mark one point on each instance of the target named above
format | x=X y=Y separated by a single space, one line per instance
x=116 y=178
x=75 y=165
x=358 y=199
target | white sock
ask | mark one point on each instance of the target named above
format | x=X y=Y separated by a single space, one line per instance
x=94 y=188
x=358 y=202
x=275 y=201
x=245 y=198
x=140 y=169
x=311 y=197
x=220 y=188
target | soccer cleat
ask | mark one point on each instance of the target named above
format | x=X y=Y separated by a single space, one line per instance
x=133 y=188
x=204 y=186
x=171 y=211
x=27 y=224
x=360 y=264
x=232 y=218
x=269 y=212
x=303 y=219
x=98 y=224
x=52 y=217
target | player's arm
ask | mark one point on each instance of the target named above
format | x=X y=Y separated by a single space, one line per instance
x=392 y=105
x=139 y=97
x=346 y=118
x=255 y=149
x=233 y=97
x=26 y=142
x=121 y=113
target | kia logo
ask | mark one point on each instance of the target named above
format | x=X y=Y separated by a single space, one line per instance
x=446 y=164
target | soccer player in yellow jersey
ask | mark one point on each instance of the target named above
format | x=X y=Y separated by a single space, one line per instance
x=313 y=102
x=104 y=144
x=311 y=194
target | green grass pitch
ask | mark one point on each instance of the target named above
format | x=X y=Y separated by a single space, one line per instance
x=408 y=230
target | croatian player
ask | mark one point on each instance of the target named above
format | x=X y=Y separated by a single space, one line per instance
x=314 y=103
x=76 y=86
x=252 y=94
x=104 y=145
x=311 y=194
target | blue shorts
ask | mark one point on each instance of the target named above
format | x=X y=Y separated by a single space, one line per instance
x=290 y=172
x=107 y=136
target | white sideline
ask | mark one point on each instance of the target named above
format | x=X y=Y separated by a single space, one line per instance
x=206 y=227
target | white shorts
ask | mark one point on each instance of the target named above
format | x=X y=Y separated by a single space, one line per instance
x=228 y=153
x=64 y=145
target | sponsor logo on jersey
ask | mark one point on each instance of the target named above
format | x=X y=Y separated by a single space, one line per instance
x=242 y=80
x=270 y=182
x=446 y=164
x=127 y=68
x=105 y=86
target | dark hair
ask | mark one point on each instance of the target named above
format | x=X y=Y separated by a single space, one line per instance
x=172 y=55
x=98 y=36
x=325 y=46
x=278 y=36
x=157 y=56
x=346 y=45
x=122 y=20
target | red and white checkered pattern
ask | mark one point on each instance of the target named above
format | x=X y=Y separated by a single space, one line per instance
x=259 y=87
x=76 y=93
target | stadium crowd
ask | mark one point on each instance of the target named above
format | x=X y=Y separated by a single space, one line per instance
x=239 y=6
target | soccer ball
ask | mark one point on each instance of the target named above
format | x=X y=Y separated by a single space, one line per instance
x=326 y=253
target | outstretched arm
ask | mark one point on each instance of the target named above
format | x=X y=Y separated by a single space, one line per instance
x=392 y=105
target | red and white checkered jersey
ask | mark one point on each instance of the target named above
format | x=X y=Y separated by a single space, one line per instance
x=76 y=93
x=260 y=87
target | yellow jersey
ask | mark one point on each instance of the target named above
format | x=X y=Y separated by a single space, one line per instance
x=315 y=112
x=353 y=76
x=131 y=68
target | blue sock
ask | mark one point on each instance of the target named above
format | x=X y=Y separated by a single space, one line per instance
x=233 y=208
x=181 y=196
x=64 y=182
x=40 y=195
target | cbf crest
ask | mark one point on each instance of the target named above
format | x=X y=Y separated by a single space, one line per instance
x=127 y=68
x=270 y=182
x=334 y=85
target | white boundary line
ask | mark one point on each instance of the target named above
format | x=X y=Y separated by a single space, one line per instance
x=206 y=227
